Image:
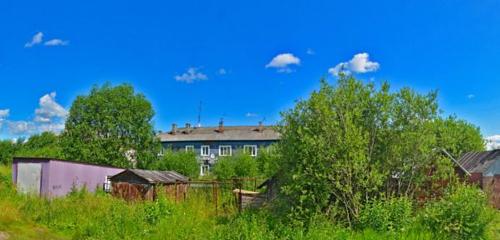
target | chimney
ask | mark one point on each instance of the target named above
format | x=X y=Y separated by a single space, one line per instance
x=261 y=127
x=174 y=129
x=221 y=126
x=188 y=127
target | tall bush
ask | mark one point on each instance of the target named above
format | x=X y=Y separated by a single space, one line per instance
x=387 y=214
x=461 y=214
x=351 y=141
x=182 y=162
x=237 y=165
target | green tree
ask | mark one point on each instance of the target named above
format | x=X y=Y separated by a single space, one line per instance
x=46 y=144
x=238 y=165
x=352 y=142
x=268 y=161
x=7 y=151
x=111 y=125
x=458 y=136
x=182 y=162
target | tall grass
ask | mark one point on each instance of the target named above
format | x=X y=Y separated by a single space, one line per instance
x=83 y=215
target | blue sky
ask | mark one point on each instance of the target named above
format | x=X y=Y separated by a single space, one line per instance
x=244 y=60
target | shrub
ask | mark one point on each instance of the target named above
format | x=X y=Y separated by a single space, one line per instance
x=238 y=165
x=461 y=214
x=182 y=162
x=392 y=214
x=268 y=161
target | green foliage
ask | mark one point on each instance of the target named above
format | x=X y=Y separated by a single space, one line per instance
x=237 y=165
x=99 y=216
x=46 y=144
x=182 y=162
x=7 y=151
x=108 y=123
x=351 y=142
x=268 y=161
x=387 y=215
x=458 y=136
x=461 y=214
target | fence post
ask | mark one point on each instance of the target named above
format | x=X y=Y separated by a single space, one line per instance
x=215 y=195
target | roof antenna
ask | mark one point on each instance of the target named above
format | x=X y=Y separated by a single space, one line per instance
x=199 y=116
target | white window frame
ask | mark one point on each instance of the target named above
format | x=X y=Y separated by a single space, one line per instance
x=230 y=150
x=252 y=153
x=201 y=150
x=189 y=148
x=107 y=184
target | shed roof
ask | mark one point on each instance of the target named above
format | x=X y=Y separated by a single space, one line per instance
x=478 y=162
x=154 y=176
x=230 y=133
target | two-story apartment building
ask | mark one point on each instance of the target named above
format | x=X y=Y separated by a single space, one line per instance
x=208 y=143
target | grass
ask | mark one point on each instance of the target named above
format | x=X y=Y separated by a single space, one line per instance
x=99 y=216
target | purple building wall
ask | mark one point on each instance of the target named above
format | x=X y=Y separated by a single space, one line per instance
x=58 y=177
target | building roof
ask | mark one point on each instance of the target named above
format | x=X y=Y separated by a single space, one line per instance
x=153 y=176
x=230 y=133
x=478 y=162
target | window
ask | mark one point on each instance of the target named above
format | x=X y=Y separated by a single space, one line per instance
x=205 y=150
x=250 y=150
x=107 y=184
x=162 y=152
x=225 y=150
x=189 y=148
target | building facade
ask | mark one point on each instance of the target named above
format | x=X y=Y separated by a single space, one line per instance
x=210 y=143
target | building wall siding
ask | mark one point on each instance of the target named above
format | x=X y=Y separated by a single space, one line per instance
x=214 y=145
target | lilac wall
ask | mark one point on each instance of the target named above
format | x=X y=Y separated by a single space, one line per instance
x=59 y=176
x=62 y=176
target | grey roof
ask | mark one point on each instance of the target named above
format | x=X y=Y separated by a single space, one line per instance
x=230 y=133
x=478 y=162
x=153 y=176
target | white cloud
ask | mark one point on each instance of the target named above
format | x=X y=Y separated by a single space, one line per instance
x=282 y=62
x=493 y=142
x=21 y=127
x=4 y=113
x=310 y=51
x=471 y=96
x=360 y=63
x=222 y=71
x=49 y=116
x=49 y=108
x=250 y=114
x=191 y=75
x=56 y=42
x=36 y=39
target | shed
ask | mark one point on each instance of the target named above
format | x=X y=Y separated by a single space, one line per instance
x=484 y=169
x=136 y=184
x=51 y=177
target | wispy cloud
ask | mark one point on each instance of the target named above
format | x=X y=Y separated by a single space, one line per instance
x=49 y=116
x=493 y=142
x=471 y=96
x=4 y=113
x=360 y=63
x=56 y=42
x=250 y=114
x=222 y=71
x=38 y=39
x=191 y=75
x=310 y=51
x=35 y=40
x=283 y=61
x=49 y=109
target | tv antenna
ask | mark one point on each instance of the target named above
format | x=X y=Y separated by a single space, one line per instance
x=199 y=115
